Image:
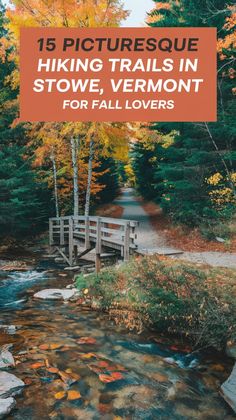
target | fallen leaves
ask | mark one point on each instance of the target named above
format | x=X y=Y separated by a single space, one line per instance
x=68 y=378
x=73 y=395
x=37 y=365
x=52 y=370
x=60 y=395
x=52 y=346
x=87 y=355
x=106 y=378
x=86 y=340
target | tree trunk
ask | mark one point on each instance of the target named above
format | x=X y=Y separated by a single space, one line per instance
x=90 y=172
x=54 y=168
x=230 y=182
x=74 y=156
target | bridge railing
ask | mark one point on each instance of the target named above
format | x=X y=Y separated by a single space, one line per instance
x=99 y=232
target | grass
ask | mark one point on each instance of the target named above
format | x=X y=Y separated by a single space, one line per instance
x=172 y=297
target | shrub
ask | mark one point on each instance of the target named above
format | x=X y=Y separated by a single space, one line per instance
x=172 y=297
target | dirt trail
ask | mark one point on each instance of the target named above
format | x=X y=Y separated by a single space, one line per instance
x=150 y=242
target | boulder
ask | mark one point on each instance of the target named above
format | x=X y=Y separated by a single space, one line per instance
x=228 y=389
x=10 y=329
x=6 y=358
x=6 y=405
x=56 y=294
x=10 y=385
x=231 y=349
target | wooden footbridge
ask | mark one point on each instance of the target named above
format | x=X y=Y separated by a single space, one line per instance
x=68 y=235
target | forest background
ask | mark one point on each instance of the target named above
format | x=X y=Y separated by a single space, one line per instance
x=49 y=169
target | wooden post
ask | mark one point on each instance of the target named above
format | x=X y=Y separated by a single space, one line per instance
x=126 y=241
x=71 y=244
x=62 y=237
x=98 y=246
x=50 y=235
x=87 y=224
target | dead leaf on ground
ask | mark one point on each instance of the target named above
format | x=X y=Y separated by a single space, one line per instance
x=73 y=395
x=37 y=365
x=60 y=395
x=52 y=370
x=86 y=340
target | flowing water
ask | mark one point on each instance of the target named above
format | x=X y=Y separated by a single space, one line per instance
x=78 y=365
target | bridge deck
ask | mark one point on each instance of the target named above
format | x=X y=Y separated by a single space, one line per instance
x=101 y=233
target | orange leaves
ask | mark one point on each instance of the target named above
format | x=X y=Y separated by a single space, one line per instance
x=52 y=370
x=103 y=364
x=107 y=371
x=105 y=378
x=115 y=376
x=52 y=346
x=68 y=378
x=37 y=365
x=86 y=340
x=73 y=395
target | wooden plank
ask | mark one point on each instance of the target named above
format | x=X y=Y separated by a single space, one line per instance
x=126 y=242
x=86 y=251
x=71 y=244
x=50 y=232
x=98 y=247
x=63 y=255
x=87 y=241
x=62 y=238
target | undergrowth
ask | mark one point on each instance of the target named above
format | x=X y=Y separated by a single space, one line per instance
x=169 y=296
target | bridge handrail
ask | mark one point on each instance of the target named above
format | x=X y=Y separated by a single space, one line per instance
x=111 y=220
x=104 y=232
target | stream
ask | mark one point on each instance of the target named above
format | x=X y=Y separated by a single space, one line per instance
x=78 y=364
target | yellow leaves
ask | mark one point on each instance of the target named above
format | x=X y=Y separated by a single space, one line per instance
x=60 y=395
x=223 y=194
x=214 y=179
x=130 y=174
x=71 y=395
x=87 y=355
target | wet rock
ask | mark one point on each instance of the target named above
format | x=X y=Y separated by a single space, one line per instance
x=6 y=358
x=10 y=329
x=10 y=385
x=6 y=405
x=56 y=294
x=231 y=349
x=229 y=389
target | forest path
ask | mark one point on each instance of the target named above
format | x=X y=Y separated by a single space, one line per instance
x=149 y=241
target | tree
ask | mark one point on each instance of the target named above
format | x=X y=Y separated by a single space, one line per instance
x=22 y=197
x=180 y=173
x=91 y=13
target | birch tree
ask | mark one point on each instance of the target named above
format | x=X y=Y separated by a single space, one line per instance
x=90 y=170
x=74 y=156
x=54 y=168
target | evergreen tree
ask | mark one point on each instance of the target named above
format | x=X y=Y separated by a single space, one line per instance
x=21 y=209
x=194 y=177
